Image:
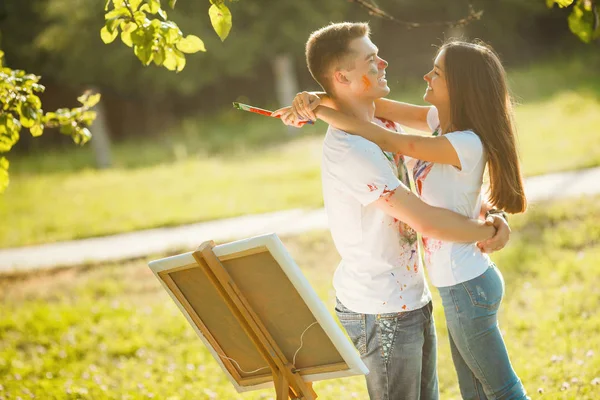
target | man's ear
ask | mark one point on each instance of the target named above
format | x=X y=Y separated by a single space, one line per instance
x=340 y=77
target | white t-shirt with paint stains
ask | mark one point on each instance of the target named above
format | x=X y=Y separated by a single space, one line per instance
x=458 y=190
x=380 y=270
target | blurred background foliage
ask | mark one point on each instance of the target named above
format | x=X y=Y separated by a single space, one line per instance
x=59 y=40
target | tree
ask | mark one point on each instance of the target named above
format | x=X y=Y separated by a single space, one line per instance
x=22 y=108
x=144 y=26
x=584 y=20
x=158 y=40
x=155 y=40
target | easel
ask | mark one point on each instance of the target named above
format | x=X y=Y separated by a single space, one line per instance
x=288 y=382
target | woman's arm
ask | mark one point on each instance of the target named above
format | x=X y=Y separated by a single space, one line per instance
x=428 y=148
x=404 y=113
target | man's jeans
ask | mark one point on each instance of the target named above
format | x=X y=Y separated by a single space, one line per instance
x=478 y=351
x=398 y=348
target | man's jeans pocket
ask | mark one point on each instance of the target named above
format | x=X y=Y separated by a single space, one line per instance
x=355 y=325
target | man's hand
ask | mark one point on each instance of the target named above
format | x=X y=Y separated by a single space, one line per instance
x=499 y=240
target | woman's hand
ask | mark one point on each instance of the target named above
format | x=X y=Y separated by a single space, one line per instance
x=301 y=110
x=304 y=104
x=288 y=117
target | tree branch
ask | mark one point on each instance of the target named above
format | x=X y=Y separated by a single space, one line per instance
x=373 y=9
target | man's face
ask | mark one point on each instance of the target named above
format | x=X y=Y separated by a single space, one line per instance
x=367 y=78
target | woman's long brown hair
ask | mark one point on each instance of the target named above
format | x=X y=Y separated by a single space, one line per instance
x=480 y=101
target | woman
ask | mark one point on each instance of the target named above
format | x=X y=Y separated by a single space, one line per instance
x=471 y=120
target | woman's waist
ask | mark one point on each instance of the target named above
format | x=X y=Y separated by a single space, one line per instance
x=443 y=253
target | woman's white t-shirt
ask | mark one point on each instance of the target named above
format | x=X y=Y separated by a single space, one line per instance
x=458 y=190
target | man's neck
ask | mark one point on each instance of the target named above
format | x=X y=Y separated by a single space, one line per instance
x=359 y=108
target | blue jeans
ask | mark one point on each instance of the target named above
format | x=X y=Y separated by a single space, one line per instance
x=478 y=351
x=399 y=349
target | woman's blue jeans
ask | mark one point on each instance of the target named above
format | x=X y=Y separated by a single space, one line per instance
x=478 y=351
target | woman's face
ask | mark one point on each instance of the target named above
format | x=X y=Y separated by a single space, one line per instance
x=437 y=90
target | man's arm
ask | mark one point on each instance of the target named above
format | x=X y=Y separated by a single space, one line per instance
x=431 y=221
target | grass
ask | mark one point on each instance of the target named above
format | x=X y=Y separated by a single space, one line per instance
x=111 y=331
x=237 y=163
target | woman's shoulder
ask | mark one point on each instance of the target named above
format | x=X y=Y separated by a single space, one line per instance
x=468 y=137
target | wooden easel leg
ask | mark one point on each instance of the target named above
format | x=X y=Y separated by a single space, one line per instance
x=311 y=390
x=282 y=386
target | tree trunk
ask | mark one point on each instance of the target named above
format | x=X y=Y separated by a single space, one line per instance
x=100 y=138
x=286 y=82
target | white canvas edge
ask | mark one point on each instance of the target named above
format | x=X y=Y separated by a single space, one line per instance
x=294 y=274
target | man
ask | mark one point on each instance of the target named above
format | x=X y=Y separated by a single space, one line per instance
x=383 y=300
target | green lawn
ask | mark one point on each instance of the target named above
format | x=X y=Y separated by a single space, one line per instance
x=111 y=331
x=238 y=163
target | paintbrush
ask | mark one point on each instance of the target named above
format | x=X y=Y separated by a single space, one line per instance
x=256 y=110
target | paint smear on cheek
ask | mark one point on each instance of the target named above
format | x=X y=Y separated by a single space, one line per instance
x=366 y=82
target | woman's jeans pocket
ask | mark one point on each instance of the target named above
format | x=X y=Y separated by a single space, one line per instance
x=355 y=326
x=486 y=291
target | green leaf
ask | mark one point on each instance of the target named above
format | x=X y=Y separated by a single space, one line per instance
x=159 y=55
x=89 y=100
x=170 y=62
x=88 y=117
x=220 y=18
x=143 y=36
x=172 y=3
x=128 y=27
x=172 y=35
x=144 y=53
x=561 y=3
x=117 y=13
x=37 y=130
x=126 y=38
x=66 y=129
x=34 y=101
x=113 y=23
x=107 y=37
x=180 y=58
x=581 y=22
x=29 y=116
x=190 y=44
x=81 y=135
x=4 y=180
x=154 y=6
x=9 y=132
x=140 y=18
x=135 y=4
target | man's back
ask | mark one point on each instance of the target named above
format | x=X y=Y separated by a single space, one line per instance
x=380 y=271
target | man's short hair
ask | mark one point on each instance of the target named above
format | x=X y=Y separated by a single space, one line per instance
x=327 y=50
